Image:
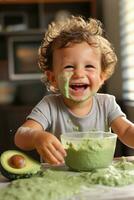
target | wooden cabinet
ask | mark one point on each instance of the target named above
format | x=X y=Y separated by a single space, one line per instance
x=11 y=117
x=25 y=19
x=21 y=19
x=22 y=24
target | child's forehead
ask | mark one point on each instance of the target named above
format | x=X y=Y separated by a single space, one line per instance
x=78 y=45
x=77 y=53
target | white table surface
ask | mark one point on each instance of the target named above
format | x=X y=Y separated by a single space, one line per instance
x=96 y=192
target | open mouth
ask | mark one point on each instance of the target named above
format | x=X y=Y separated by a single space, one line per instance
x=79 y=86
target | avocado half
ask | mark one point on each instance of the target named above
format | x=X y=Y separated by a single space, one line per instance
x=31 y=166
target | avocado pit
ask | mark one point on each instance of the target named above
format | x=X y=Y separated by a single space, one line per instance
x=17 y=161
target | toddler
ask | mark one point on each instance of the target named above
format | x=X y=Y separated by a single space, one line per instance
x=76 y=60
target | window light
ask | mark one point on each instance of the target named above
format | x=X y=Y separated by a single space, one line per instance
x=127 y=48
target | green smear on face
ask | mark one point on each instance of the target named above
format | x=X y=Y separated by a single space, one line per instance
x=63 y=80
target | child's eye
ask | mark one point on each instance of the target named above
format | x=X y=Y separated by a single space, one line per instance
x=69 y=67
x=89 y=67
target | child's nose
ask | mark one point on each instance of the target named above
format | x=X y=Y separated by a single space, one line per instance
x=79 y=72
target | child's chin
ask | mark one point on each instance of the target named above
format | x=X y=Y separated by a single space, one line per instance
x=78 y=98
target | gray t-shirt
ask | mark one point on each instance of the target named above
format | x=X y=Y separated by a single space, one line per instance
x=55 y=117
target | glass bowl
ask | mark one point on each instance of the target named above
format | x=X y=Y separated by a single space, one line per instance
x=87 y=151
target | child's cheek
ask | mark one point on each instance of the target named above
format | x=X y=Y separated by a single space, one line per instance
x=95 y=75
x=63 y=82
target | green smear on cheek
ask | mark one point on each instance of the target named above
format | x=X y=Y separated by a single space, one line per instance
x=63 y=80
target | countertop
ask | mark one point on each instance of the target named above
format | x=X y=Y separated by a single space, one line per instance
x=3 y=181
x=97 y=192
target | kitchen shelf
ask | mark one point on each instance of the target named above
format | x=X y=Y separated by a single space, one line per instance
x=37 y=15
x=41 y=1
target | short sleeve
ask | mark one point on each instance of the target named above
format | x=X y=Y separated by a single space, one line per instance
x=114 y=109
x=41 y=113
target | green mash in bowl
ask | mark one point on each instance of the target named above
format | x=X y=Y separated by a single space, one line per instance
x=87 y=151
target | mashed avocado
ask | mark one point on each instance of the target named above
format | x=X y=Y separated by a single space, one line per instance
x=59 y=185
x=90 y=154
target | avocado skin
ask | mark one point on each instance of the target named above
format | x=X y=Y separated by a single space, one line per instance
x=35 y=169
x=13 y=176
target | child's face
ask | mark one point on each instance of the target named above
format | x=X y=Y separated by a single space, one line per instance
x=77 y=71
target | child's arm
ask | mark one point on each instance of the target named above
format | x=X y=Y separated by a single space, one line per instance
x=32 y=136
x=125 y=130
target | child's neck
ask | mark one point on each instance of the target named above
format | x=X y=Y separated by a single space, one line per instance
x=79 y=108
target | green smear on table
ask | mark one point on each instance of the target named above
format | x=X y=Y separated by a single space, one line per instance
x=59 y=185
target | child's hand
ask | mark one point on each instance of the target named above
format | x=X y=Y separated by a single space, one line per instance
x=49 y=148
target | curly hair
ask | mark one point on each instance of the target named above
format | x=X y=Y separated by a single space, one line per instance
x=75 y=29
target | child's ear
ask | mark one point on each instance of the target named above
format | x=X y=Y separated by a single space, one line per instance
x=51 y=78
x=103 y=78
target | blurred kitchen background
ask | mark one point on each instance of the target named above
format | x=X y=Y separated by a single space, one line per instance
x=22 y=27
